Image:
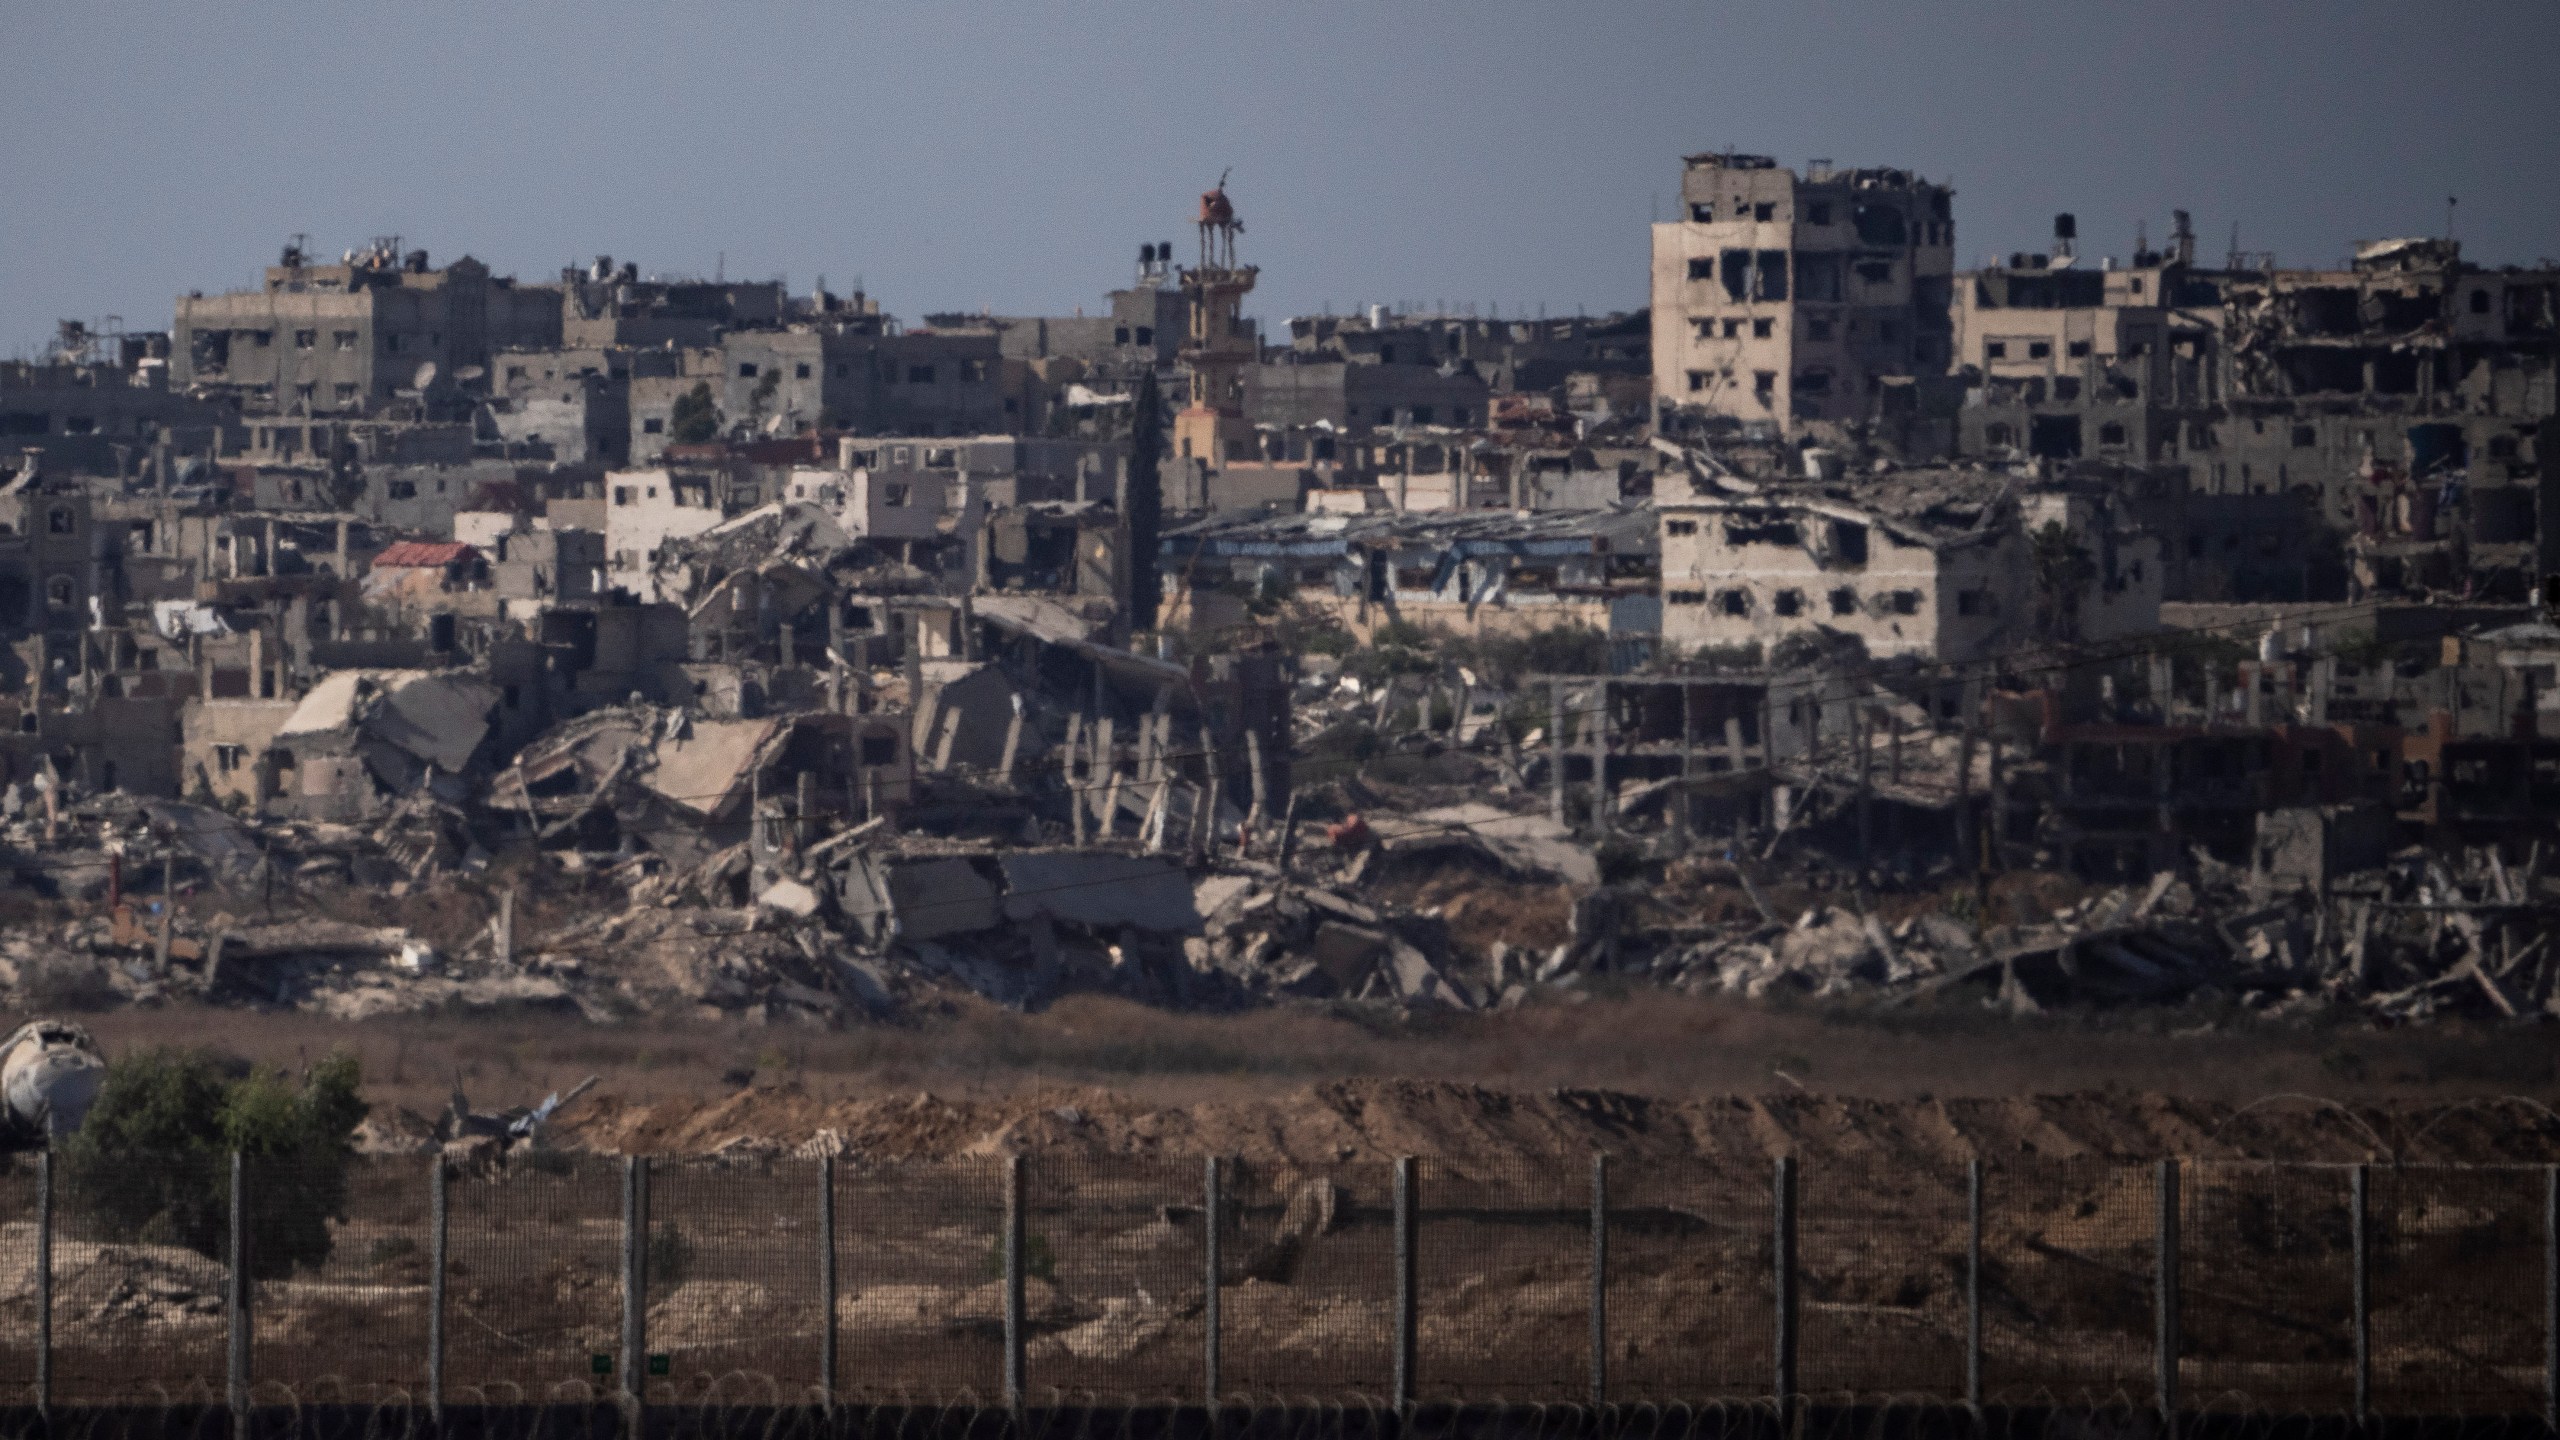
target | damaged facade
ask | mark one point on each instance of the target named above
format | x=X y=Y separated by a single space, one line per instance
x=1946 y=565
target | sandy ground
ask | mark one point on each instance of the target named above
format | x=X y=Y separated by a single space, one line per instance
x=1641 y=1073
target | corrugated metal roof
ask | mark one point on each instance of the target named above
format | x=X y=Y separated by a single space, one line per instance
x=424 y=554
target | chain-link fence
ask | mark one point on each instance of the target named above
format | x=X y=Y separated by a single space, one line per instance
x=1045 y=1281
x=920 y=1294
x=1307 y=1303
x=2069 y=1284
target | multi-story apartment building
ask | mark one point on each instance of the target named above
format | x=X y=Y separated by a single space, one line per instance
x=346 y=338
x=2395 y=407
x=1787 y=298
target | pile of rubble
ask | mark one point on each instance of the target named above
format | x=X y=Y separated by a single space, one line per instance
x=2407 y=942
x=1414 y=903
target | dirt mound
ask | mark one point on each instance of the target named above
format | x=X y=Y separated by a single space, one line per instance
x=1470 y=1128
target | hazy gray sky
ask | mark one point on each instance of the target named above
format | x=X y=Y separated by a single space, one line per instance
x=954 y=155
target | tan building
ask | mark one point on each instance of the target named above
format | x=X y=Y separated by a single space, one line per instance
x=2067 y=356
x=229 y=747
x=343 y=339
x=1935 y=565
x=1787 y=298
x=1221 y=343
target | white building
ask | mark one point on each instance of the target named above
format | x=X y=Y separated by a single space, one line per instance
x=1936 y=566
x=646 y=508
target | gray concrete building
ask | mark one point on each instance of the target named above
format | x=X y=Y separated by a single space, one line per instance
x=1518 y=354
x=775 y=383
x=1356 y=395
x=348 y=338
x=2395 y=407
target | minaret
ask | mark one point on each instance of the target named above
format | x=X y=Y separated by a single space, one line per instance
x=1212 y=427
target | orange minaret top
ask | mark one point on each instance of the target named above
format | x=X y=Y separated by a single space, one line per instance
x=1212 y=427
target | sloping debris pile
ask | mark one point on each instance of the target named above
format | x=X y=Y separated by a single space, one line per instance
x=2407 y=942
x=1420 y=894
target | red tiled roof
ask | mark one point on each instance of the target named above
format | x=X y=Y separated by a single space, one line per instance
x=424 y=554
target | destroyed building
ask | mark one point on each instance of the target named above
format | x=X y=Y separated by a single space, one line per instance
x=2371 y=428
x=1466 y=571
x=1496 y=658
x=1781 y=298
x=101 y=405
x=1939 y=565
x=1515 y=356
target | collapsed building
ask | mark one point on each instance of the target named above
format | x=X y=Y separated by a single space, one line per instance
x=821 y=657
x=2373 y=428
x=1940 y=565
x=1466 y=571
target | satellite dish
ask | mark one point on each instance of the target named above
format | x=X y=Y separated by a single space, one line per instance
x=470 y=372
x=426 y=376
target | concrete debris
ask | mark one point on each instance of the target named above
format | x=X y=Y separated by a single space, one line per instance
x=2406 y=942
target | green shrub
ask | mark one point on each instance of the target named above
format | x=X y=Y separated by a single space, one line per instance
x=696 y=418
x=1038 y=1261
x=152 y=1163
x=1326 y=640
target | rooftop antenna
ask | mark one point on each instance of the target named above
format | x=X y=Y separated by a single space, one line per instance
x=2449 y=202
x=2233 y=262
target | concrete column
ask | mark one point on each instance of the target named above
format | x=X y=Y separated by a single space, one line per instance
x=1598 y=720
x=1682 y=800
x=1555 y=751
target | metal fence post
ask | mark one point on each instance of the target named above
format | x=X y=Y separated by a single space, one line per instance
x=2359 y=1207
x=1407 y=1277
x=635 y=1281
x=236 y=1374
x=44 y=1282
x=827 y=1279
x=1213 y=1208
x=2165 y=1293
x=1783 y=1253
x=1973 y=1285
x=438 y=1231
x=2551 y=1295
x=1014 y=1237
x=1599 y=1279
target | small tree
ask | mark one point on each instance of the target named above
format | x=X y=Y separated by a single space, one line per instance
x=697 y=417
x=152 y=1162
